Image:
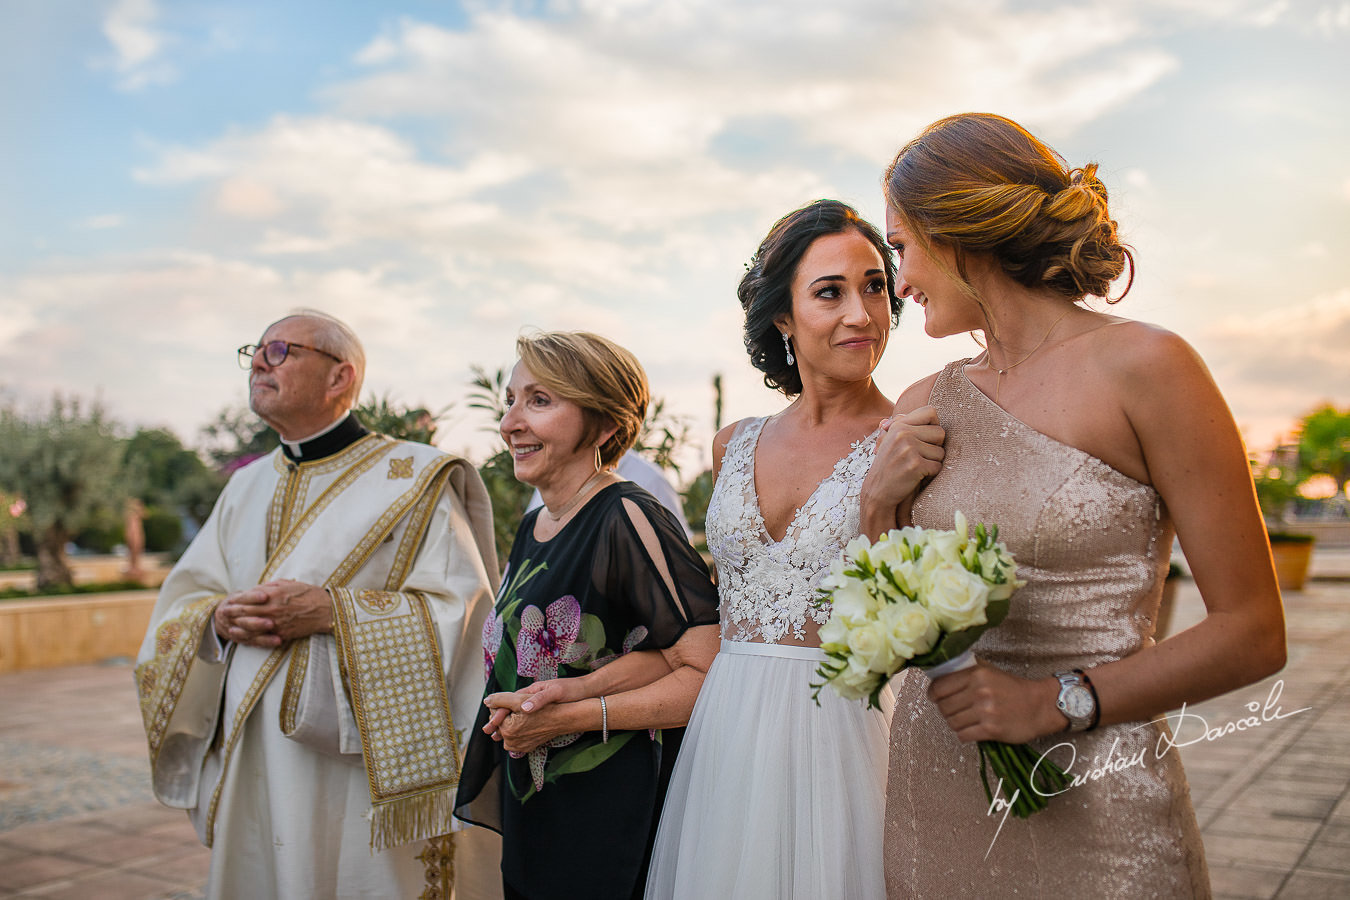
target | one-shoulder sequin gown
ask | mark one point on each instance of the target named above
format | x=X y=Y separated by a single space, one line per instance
x=1093 y=546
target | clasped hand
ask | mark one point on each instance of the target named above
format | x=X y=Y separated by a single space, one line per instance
x=984 y=703
x=908 y=450
x=523 y=720
x=270 y=614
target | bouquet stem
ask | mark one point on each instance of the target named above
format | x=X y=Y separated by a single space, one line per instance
x=1027 y=780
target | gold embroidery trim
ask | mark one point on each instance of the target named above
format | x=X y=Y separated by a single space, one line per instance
x=438 y=858
x=397 y=687
x=366 y=547
x=295 y=684
x=293 y=534
x=160 y=679
x=417 y=528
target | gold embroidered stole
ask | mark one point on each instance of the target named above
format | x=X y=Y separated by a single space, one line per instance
x=391 y=664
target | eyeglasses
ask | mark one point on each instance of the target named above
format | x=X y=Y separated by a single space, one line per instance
x=275 y=353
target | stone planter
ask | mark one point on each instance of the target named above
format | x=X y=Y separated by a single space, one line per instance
x=74 y=630
x=1292 y=554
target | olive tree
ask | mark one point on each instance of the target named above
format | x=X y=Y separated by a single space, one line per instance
x=66 y=464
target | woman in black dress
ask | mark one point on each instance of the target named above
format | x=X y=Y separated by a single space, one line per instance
x=604 y=626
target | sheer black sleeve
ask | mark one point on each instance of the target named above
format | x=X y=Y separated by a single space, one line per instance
x=647 y=567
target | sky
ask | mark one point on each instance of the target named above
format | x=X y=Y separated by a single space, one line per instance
x=444 y=176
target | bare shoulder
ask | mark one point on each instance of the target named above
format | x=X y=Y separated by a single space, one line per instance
x=916 y=395
x=1141 y=355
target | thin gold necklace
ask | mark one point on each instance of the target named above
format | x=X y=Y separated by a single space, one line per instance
x=576 y=498
x=1004 y=371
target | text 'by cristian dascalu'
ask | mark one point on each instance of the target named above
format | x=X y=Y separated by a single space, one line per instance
x=1187 y=728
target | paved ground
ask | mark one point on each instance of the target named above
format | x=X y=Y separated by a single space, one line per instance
x=77 y=819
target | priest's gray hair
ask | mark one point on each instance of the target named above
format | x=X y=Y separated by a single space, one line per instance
x=336 y=337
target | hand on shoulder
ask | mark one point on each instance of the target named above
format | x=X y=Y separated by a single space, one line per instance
x=909 y=450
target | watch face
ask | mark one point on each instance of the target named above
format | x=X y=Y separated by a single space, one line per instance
x=1077 y=702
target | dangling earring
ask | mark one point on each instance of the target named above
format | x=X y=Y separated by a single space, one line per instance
x=787 y=348
x=597 y=457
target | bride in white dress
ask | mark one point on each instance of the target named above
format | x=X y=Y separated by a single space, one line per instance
x=773 y=796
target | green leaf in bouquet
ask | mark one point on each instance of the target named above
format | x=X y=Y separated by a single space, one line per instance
x=949 y=647
x=996 y=611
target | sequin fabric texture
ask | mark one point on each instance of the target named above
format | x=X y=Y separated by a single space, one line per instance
x=768 y=588
x=1093 y=547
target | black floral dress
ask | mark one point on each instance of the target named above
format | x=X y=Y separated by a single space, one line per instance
x=578 y=816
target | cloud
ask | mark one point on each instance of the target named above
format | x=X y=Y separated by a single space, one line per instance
x=607 y=164
x=360 y=181
x=1280 y=361
x=593 y=89
x=137 y=44
x=155 y=335
x=605 y=146
x=1333 y=20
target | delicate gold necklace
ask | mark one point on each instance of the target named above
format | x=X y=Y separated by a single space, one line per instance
x=1004 y=371
x=576 y=498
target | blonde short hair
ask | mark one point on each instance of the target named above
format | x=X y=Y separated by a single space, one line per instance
x=335 y=336
x=604 y=379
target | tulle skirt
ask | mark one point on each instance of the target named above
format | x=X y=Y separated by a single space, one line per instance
x=773 y=796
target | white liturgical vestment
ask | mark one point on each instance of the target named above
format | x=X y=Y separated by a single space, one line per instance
x=327 y=767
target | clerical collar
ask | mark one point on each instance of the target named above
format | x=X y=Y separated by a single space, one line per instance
x=333 y=439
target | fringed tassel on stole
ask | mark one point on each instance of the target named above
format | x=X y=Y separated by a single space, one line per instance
x=407 y=819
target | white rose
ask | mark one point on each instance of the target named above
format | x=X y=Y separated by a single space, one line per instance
x=910 y=629
x=852 y=600
x=856 y=682
x=947 y=544
x=868 y=645
x=955 y=597
x=857 y=549
x=886 y=552
x=834 y=632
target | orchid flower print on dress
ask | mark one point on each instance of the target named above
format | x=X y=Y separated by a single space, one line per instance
x=549 y=639
x=523 y=643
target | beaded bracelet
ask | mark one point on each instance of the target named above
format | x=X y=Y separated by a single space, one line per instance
x=604 y=721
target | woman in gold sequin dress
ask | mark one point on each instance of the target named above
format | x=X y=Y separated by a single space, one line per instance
x=1090 y=440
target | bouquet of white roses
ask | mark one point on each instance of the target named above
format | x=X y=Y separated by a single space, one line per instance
x=921 y=597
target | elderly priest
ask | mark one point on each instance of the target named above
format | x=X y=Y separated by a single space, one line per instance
x=313 y=660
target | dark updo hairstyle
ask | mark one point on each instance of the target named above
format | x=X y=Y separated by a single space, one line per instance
x=766 y=290
x=980 y=183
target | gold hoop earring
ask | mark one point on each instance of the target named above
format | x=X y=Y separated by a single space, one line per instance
x=597 y=457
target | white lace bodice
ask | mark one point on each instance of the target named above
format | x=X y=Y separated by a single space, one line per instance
x=768 y=588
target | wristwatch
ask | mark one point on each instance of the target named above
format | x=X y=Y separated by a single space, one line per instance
x=1078 y=700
